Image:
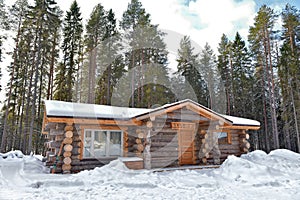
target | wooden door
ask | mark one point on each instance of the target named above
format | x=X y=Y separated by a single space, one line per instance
x=186 y=151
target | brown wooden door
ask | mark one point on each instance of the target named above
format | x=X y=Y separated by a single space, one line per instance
x=186 y=151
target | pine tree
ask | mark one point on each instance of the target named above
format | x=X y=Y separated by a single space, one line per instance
x=95 y=31
x=260 y=39
x=72 y=33
x=146 y=51
x=289 y=74
x=4 y=24
x=110 y=61
x=242 y=76
x=225 y=67
x=188 y=67
x=208 y=69
x=28 y=73
x=9 y=106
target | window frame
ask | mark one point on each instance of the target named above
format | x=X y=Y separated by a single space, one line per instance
x=227 y=139
x=107 y=142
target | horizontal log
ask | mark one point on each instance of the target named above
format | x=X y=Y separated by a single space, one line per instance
x=76 y=138
x=60 y=126
x=68 y=147
x=67 y=154
x=230 y=151
x=164 y=154
x=69 y=134
x=164 y=137
x=53 y=144
x=242 y=140
x=49 y=126
x=67 y=160
x=76 y=151
x=228 y=146
x=68 y=140
x=139 y=147
x=66 y=167
x=91 y=162
x=138 y=141
x=141 y=135
x=149 y=124
x=245 y=145
x=77 y=144
x=56 y=132
x=75 y=157
x=69 y=128
x=244 y=150
x=163 y=144
x=166 y=148
x=78 y=168
x=59 y=138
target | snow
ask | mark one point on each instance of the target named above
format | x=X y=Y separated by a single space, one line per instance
x=68 y=109
x=77 y=110
x=129 y=159
x=238 y=121
x=255 y=175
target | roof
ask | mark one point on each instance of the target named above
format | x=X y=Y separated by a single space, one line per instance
x=81 y=110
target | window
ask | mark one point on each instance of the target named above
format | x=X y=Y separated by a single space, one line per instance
x=100 y=143
x=224 y=138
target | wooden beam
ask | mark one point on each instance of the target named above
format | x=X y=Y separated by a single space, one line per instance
x=45 y=121
x=94 y=121
x=161 y=111
x=206 y=113
x=241 y=127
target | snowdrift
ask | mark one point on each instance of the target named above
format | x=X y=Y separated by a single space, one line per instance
x=255 y=175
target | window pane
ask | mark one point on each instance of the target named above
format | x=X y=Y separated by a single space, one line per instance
x=87 y=144
x=100 y=143
x=222 y=135
x=115 y=143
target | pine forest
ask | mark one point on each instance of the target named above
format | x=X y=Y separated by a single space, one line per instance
x=59 y=56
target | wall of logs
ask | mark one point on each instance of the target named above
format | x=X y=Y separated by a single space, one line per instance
x=64 y=146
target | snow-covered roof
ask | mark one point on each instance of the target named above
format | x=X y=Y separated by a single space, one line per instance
x=78 y=110
x=238 y=121
x=81 y=110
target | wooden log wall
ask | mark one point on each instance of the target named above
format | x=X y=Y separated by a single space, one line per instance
x=239 y=145
x=164 y=146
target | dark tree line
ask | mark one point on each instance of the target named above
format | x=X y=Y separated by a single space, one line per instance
x=125 y=63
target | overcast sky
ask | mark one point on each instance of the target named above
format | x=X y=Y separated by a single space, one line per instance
x=203 y=20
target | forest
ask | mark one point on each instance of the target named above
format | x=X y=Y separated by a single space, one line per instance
x=125 y=63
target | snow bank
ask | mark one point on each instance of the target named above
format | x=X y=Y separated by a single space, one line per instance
x=258 y=168
x=256 y=175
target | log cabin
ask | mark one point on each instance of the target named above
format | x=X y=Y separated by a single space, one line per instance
x=84 y=136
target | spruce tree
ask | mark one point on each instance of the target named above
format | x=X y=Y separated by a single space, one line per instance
x=146 y=57
x=261 y=42
x=225 y=67
x=71 y=47
x=188 y=67
x=209 y=71
x=110 y=60
x=289 y=74
x=28 y=72
x=242 y=77
x=95 y=31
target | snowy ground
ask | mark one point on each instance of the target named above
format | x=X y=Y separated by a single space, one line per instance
x=256 y=175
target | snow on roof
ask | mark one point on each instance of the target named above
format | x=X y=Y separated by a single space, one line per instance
x=238 y=121
x=77 y=110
